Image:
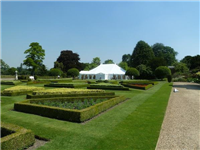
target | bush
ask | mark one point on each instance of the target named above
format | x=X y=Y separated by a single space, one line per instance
x=138 y=86
x=169 y=78
x=55 y=72
x=162 y=72
x=132 y=72
x=19 y=138
x=73 y=72
x=16 y=82
x=107 y=86
x=67 y=114
x=67 y=85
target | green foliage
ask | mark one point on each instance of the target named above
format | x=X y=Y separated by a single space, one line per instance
x=132 y=72
x=69 y=60
x=58 y=65
x=67 y=114
x=35 y=56
x=19 y=138
x=145 y=72
x=156 y=62
x=11 y=71
x=139 y=82
x=138 y=86
x=55 y=72
x=169 y=78
x=162 y=72
x=126 y=58
x=67 y=85
x=4 y=67
x=108 y=61
x=73 y=72
x=42 y=70
x=166 y=52
x=123 y=65
x=187 y=61
x=181 y=67
x=107 y=86
x=142 y=54
x=4 y=82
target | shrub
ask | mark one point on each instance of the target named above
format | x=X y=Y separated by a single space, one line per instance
x=16 y=82
x=55 y=72
x=138 y=86
x=19 y=138
x=162 y=72
x=67 y=85
x=132 y=72
x=107 y=86
x=169 y=78
x=67 y=114
x=73 y=72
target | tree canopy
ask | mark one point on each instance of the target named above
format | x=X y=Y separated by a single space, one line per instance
x=166 y=52
x=156 y=62
x=145 y=72
x=126 y=58
x=162 y=72
x=108 y=61
x=123 y=65
x=4 y=67
x=142 y=54
x=35 y=56
x=132 y=72
x=73 y=72
x=69 y=60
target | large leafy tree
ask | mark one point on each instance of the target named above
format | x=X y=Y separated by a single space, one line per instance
x=35 y=56
x=187 y=61
x=95 y=62
x=145 y=72
x=156 y=62
x=69 y=60
x=4 y=67
x=108 y=61
x=166 y=52
x=123 y=65
x=126 y=58
x=181 y=67
x=142 y=54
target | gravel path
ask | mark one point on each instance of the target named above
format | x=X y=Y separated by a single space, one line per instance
x=181 y=126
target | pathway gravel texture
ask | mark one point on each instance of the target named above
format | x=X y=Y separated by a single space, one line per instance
x=181 y=126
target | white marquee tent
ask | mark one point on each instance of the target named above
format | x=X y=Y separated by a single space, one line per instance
x=104 y=72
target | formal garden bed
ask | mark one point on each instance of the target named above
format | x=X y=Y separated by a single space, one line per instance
x=138 y=86
x=47 y=81
x=78 y=109
x=107 y=86
x=20 y=90
x=10 y=82
x=139 y=82
x=67 y=85
x=14 y=137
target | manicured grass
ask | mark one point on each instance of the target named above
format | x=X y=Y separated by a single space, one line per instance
x=134 y=124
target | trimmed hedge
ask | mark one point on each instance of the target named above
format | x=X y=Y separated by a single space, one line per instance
x=67 y=114
x=10 y=82
x=107 y=86
x=31 y=96
x=139 y=82
x=19 y=138
x=56 y=80
x=67 y=85
x=19 y=90
x=137 y=87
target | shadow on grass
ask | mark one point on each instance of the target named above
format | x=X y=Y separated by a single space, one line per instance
x=186 y=86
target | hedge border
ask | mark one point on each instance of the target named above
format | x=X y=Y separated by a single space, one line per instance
x=10 y=82
x=137 y=87
x=67 y=114
x=66 y=85
x=107 y=87
x=20 y=139
x=30 y=96
x=140 y=82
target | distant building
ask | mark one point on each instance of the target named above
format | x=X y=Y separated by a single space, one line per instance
x=104 y=72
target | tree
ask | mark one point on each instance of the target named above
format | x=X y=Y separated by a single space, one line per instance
x=35 y=56
x=156 y=62
x=42 y=70
x=126 y=58
x=180 y=67
x=187 y=61
x=132 y=72
x=58 y=65
x=162 y=72
x=73 y=72
x=123 y=65
x=142 y=54
x=4 y=67
x=11 y=71
x=55 y=72
x=166 y=52
x=145 y=72
x=69 y=60
x=108 y=61
x=195 y=62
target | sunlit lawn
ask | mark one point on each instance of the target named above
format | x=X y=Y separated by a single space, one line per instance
x=134 y=124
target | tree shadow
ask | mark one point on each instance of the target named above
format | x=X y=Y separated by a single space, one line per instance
x=188 y=86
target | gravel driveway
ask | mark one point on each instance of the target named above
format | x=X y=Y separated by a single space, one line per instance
x=181 y=129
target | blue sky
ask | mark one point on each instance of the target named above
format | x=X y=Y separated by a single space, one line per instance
x=96 y=29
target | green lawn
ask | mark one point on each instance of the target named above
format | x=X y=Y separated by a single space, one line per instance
x=134 y=124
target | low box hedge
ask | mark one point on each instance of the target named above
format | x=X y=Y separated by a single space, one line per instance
x=139 y=82
x=56 y=80
x=67 y=85
x=137 y=87
x=15 y=137
x=31 y=96
x=19 y=90
x=107 y=86
x=10 y=82
x=67 y=114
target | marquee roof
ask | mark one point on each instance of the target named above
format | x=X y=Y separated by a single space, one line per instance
x=105 y=69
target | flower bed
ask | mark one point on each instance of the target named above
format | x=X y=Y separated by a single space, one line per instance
x=139 y=82
x=138 y=86
x=107 y=86
x=15 y=137
x=19 y=90
x=67 y=114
